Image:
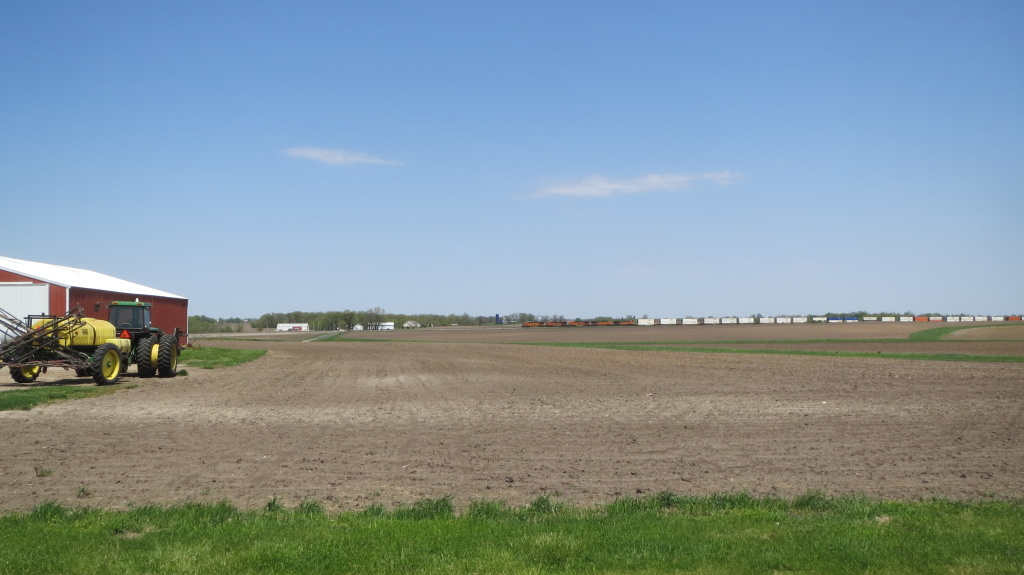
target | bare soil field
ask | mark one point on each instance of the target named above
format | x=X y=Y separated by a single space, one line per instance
x=463 y=413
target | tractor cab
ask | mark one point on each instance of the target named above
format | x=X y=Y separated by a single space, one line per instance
x=131 y=316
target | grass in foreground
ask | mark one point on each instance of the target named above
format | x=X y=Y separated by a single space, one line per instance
x=666 y=533
x=214 y=357
x=28 y=398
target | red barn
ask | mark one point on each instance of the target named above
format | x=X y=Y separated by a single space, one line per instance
x=32 y=288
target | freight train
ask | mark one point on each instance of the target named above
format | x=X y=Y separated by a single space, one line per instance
x=574 y=323
x=756 y=320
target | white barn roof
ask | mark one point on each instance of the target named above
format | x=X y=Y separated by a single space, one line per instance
x=74 y=277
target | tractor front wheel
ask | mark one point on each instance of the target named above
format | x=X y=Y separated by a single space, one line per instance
x=146 y=357
x=106 y=364
x=25 y=374
x=167 y=356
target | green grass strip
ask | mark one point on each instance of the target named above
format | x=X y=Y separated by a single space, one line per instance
x=698 y=346
x=732 y=341
x=936 y=334
x=214 y=357
x=666 y=533
x=203 y=358
x=341 y=337
x=663 y=346
x=28 y=398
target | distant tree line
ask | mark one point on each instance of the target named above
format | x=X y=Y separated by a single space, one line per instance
x=369 y=319
x=373 y=317
x=203 y=324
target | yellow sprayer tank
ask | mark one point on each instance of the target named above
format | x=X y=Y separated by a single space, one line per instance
x=92 y=333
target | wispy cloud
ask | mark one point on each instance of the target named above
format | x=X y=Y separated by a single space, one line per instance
x=337 y=157
x=602 y=187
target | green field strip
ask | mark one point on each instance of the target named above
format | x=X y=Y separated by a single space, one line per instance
x=936 y=334
x=741 y=341
x=698 y=347
x=662 y=346
x=343 y=339
x=214 y=357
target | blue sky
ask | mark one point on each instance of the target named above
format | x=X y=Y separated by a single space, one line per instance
x=576 y=158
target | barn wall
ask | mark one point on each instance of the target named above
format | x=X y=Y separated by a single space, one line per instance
x=56 y=298
x=168 y=313
x=22 y=299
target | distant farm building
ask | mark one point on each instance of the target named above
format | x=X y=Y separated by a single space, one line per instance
x=33 y=288
x=293 y=327
x=384 y=325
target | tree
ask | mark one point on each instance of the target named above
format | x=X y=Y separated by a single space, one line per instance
x=348 y=319
x=373 y=317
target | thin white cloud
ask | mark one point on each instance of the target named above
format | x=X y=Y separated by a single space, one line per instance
x=337 y=157
x=602 y=187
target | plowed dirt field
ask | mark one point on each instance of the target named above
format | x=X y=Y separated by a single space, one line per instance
x=468 y=414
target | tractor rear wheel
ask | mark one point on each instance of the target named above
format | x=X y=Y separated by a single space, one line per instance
x=25 y=374
x=106 y=364
x=167 y=356
x=145 y=357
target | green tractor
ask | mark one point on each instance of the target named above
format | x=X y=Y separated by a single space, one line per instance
x=152 y=350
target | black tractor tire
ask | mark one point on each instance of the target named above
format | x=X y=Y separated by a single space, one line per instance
x=167 y=356
x=83 y=372
x=25 y=374
x=106 y=365
x=144 y=357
